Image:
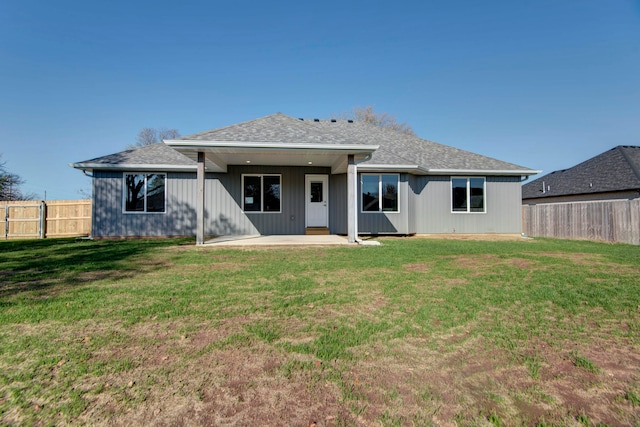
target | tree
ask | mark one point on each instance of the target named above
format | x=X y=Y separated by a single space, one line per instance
x=384 y=120
x=148 y=136
x=10 y=185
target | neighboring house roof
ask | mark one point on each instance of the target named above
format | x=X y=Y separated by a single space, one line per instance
x=395 y=150
x=615 y=170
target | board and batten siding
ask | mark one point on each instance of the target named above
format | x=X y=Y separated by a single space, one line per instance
x=109 y=220
x=431 y=207
x=338 y=205
x=232 y=220
x=223 y=205
x=386 y=222
x=425 y=206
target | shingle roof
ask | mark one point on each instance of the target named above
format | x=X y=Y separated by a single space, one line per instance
x=396 y=149
x=615 y=170
x=155 y=154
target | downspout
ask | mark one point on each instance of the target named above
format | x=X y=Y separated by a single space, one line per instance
x=93 y=208
x=355 y=192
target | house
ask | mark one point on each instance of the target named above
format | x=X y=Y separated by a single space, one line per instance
x=612 y=175
x=282 y=175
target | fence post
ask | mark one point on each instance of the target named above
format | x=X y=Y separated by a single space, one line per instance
x=6 y=221
x=43 y=219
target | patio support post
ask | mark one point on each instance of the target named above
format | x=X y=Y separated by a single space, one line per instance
x=200 y=200
x=352 y=200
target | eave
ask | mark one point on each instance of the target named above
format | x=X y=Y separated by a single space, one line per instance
x=90 y=167
x=421 y=170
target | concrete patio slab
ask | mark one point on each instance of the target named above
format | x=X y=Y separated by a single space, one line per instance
x=277 y=240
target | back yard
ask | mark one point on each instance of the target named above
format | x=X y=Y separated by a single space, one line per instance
x=413 y=332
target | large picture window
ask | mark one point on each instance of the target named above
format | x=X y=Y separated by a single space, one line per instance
x=261 y=193
x=468 y=194
x=144 y=192
x=379 y=192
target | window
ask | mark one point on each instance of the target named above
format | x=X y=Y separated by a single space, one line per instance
x=261 y=193
x=144 y=192
x=379 y=192
x=468 y=194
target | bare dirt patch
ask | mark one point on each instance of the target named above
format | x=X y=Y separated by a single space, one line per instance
x=475 y=380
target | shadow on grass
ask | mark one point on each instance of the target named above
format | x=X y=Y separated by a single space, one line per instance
x=38 y=265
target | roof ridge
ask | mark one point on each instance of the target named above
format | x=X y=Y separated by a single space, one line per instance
x=234 y=124
x=632 y=165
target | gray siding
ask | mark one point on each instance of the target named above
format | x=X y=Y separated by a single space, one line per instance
x=226 y=194
x=223 y=205
x=109 y=220
x=425 y=206
x=431 y=200
x=338 y=204
x=387 y=222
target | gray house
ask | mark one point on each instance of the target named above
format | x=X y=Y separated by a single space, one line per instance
x=282 y=175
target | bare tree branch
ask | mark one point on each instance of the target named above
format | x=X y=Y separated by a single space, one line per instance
x=148 y=136
x=10 y=185
x=384 y=120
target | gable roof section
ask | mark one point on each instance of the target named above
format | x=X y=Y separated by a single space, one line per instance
x=388 y=149
x=615 y=170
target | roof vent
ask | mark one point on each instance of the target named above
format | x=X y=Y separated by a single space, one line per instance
x=316 y=120
x=349 y=121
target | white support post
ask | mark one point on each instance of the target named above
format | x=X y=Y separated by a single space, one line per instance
x=200 y=200
x=352 y=200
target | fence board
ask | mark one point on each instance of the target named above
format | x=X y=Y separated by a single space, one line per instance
x=610 y=221
x=68 y=218
x=62 y=218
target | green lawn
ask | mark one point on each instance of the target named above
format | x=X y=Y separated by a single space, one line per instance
x=413 y=332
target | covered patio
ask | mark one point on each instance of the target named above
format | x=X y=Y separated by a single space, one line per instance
x=215 y=156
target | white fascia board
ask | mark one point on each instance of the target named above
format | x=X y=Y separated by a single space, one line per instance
x=425 y=171
x=136 y=167
x=526 y=172
x=199 y=145
x=397 y=168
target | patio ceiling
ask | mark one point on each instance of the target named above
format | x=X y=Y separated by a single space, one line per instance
x=218 y=155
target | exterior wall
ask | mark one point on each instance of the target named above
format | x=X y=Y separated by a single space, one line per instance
x=613 y=195
x=223 y=205
x=431 y=207
x=110 y=221
x=224 y=198
x=425 y=206
x=338 y=204
x=387 y=222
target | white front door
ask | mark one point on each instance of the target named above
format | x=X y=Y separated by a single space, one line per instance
x=317 y=200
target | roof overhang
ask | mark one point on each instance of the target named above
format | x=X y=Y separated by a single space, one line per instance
x=421 y=170
x=482 y=172
x=91 y=166
x=220 y=154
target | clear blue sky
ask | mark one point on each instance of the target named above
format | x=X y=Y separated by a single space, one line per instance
x=545 y=84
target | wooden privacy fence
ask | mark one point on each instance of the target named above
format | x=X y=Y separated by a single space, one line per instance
x=611 y=221
x=34 y=219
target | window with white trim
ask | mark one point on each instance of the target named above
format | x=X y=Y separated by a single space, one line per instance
x=144 y=193
x=468 y=194
x=379 y=192
x=261 y=193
